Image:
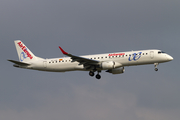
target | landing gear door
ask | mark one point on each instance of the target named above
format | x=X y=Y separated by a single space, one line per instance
x=152 y=54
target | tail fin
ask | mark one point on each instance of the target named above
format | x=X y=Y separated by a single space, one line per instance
x=24 y=54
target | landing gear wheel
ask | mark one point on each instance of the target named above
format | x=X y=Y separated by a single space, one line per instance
x=156 y=69
x=155 y=65
x=98 y=76
x=91 y=73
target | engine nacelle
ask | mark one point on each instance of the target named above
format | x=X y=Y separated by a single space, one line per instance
x=110 y=65
x=116 y=70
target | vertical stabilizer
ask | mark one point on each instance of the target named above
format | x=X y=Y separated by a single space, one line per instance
x=24 y=54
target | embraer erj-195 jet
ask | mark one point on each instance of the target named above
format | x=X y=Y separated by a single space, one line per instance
x=111 y=62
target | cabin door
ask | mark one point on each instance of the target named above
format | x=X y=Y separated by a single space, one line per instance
x=45 y=64
x=152 y=54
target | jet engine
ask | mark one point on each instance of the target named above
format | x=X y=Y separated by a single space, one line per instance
x=116 y=70
x=110 y=65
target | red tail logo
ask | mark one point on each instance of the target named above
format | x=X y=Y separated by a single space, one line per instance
x=25 y=50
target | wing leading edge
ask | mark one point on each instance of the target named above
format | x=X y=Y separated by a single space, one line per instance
x=81 y=60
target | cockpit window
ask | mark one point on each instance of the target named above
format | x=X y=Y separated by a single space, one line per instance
x=159 y=52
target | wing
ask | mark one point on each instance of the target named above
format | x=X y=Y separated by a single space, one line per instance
x=82 y=61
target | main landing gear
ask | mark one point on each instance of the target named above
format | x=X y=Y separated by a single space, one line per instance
x=155 y=65
x=98 y=76
x=91 y=73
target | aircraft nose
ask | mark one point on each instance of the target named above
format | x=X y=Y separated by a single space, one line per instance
x=169 y=58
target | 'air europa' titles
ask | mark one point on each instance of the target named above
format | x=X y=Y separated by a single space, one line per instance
x=25 y=50
x=116 y=54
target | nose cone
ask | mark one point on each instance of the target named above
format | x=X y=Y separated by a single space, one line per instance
x=169 y=58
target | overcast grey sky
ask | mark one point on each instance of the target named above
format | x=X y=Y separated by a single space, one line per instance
x=89 y=27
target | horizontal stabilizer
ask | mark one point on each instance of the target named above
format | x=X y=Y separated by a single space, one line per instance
x=19 y=63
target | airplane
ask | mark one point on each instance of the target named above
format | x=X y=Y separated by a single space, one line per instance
x=113 y=63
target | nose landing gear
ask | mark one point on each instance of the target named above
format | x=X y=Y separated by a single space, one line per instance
x=155 y=65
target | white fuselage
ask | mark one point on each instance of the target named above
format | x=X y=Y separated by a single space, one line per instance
x=130 y=58
x=111 y=62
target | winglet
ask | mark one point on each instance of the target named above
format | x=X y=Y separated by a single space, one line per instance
x=63 y=51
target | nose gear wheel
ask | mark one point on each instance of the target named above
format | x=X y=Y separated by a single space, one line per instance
x=155 y=65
